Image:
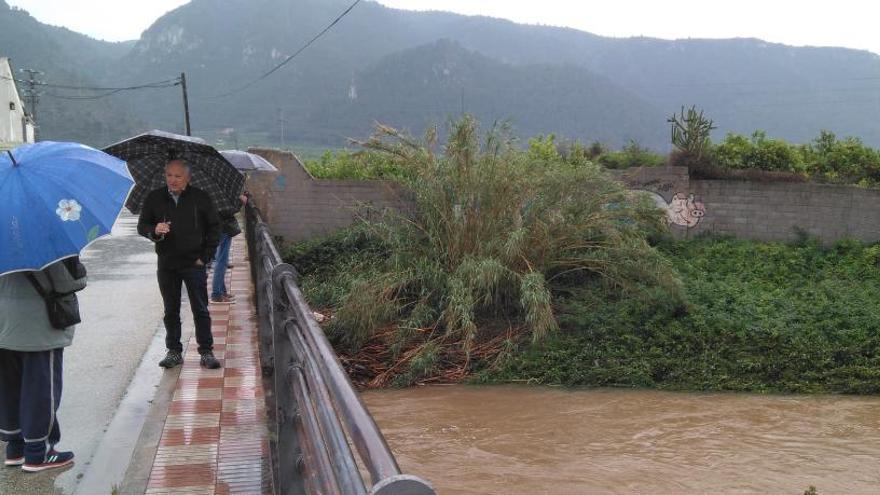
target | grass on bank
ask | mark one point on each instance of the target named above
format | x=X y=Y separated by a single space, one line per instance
x=760 y=317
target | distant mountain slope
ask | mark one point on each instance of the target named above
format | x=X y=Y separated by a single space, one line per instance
x=436 y=82
x=66 y=58
x=545 y=79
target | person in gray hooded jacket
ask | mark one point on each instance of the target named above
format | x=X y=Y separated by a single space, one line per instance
x=31 y=359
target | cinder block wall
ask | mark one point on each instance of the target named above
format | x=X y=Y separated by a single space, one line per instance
x=776 y=211
x=766 y=211
x=297 y=206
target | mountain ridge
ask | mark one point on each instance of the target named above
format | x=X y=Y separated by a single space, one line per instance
x=743 y=84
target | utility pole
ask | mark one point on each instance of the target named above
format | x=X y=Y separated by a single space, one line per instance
x=33 y=96
x=185 y=102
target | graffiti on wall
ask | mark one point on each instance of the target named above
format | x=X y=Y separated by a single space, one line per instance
x=682 y=210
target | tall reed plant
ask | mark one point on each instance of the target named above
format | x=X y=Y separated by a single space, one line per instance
x=495 y=232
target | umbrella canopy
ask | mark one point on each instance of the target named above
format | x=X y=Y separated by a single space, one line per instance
x=248 y=162
x=57 y=198
x=148 y=153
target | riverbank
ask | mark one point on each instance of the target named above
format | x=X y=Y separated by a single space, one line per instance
x=760 y=317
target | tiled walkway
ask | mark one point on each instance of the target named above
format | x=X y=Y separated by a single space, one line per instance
x=215 y=438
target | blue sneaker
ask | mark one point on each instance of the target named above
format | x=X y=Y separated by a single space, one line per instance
x=53 y=459
x=14 y=454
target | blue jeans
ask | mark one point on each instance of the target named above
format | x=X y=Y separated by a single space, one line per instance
x=221 y=260
x=195 y=278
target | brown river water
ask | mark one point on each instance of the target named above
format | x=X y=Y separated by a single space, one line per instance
x=536 y=440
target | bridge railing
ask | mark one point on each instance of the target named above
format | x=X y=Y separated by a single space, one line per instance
x=315 y=414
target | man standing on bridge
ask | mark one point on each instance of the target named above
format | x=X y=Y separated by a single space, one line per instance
x=185 y=226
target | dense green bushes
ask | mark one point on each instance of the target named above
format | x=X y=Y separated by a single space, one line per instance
x=363 y=165
x=761 y=317
x=826 y=158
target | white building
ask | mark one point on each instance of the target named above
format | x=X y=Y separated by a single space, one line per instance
x=15 y=126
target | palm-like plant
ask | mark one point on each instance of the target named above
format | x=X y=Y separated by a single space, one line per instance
x=493 y=232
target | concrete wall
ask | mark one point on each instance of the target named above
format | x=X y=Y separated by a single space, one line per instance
x=297 y=206
x=777 y=211
x=767 y=211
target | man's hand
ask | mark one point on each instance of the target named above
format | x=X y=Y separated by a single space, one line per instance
x=199 y=262
x=163 y=228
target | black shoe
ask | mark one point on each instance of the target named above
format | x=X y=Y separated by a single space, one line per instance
x=14 y=453
x=51 y=460
x=209 y=361
x=225 y=298
x=172 y=359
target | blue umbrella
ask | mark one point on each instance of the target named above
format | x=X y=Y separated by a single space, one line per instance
x=55 y=199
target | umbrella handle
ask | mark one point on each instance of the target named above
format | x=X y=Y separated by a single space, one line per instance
x=14 y=163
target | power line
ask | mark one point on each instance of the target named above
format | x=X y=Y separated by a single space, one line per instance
x=288 y=59
x=104 y=95
x=108 y=91
x=157 y=84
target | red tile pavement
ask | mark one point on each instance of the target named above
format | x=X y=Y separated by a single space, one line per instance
x=215 y=438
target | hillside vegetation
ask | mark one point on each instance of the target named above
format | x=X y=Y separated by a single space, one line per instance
x=420 y=69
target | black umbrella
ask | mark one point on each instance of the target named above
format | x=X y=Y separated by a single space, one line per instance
x=148 y=153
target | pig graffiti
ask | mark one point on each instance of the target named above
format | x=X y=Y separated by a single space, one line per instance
x=684 y=211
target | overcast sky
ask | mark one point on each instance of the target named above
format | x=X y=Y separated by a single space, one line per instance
x=848 y=23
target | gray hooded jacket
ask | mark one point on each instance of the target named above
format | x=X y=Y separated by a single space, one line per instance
x=24 y=322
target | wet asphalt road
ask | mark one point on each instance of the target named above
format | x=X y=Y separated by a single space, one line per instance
x=121 y=310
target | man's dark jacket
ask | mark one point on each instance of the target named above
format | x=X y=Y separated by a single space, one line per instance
x=195 y=226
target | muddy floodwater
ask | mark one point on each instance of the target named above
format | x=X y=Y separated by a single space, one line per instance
x=535 y=440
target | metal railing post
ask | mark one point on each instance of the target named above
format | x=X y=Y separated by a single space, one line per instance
x=287 y=407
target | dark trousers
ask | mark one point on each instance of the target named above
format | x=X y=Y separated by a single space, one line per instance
x=196 y=281
x=30 y=392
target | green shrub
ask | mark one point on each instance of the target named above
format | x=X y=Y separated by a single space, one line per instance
x=826 y=158
x=632 y=155
x=343 y=165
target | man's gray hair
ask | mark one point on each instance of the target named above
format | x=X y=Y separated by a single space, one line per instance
x=183 y=163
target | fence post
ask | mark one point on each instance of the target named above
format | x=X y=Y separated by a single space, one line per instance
x=286 y=407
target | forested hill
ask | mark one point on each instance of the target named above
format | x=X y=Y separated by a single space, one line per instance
x=412 y=69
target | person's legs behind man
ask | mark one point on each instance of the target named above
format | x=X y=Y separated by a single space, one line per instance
x=221 y=262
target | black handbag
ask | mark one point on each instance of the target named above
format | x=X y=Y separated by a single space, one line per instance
x=63 y=309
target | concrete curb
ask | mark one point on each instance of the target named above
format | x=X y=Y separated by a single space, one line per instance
x=125 y=455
